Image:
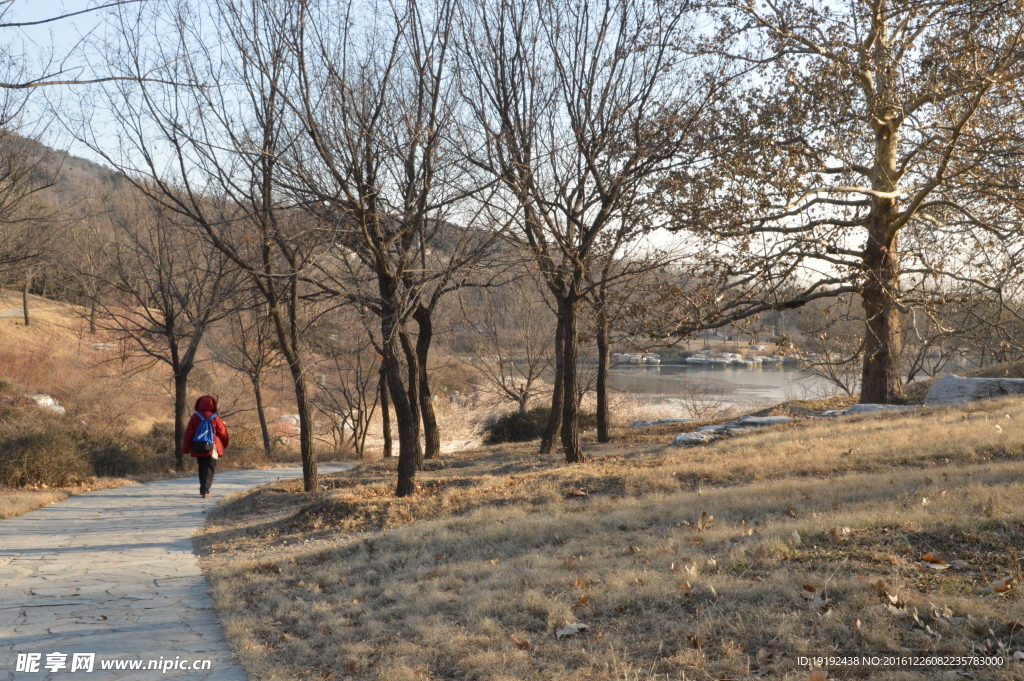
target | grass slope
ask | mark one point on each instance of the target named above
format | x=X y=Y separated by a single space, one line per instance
x=815 y=548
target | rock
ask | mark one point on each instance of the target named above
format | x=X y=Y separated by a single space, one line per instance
x=732 y=432
x=697 y=437
x=47 y=402
x=761 y=421
x=957 y=389
x=738 y=426
x=869 y=408
x=659 y=422
x=833 y=412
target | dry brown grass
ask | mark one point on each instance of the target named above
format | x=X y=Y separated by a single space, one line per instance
x=500 y=548
x=15 y=502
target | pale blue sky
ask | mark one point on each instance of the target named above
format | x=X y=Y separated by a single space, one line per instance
x=58 y=39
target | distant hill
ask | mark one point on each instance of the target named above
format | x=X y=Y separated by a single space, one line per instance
x=75 y=177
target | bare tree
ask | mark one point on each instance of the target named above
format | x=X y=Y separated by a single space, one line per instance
x=221 y=117
x=376 y=110
x=872 y=142
x=581 y=108
x=167 y=288
x=506 y=337
x=249 y=345
x=348 y=375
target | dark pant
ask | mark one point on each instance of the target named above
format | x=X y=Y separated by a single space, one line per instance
x=207 y=467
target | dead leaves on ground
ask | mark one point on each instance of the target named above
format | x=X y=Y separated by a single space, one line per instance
x=815 y=599
x=940 y=561
x=702 y=523
x=1000 y=586
x=521 y=643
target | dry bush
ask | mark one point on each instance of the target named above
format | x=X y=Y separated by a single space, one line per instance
x=502 y=547
x=47 y=458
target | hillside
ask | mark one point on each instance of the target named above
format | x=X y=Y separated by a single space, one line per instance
x=891 y=534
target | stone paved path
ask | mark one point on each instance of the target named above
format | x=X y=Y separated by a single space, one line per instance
x=113 y=573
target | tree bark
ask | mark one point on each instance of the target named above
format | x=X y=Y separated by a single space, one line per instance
x=408 y=434
x=412 y=370
x=602 y=376
x=310 y=474
x=180 y=412
x=261 y=412
x=431 y=433
x=555 y=418
x=24 y=297
x=570 y=405
x=880 y=380
x=385 y=412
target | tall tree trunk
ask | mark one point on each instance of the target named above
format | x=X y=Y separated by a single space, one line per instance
x=570 y=403
x=310 y=474
x=409 y=451
x=92 y=318
x=602 y=375
x=547 y=441
x=412 y=370
x=180 y=413
x=385 y=412
x=24 y=297
x=431 y=433
x=880 y=381
x=261 y=412
x=288 y=338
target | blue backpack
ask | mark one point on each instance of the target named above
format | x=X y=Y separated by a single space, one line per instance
x=202 y=441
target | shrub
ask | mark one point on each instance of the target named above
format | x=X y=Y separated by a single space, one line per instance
x=117 y=458
x=518 y=427
x=50 y=457
x=160 y=439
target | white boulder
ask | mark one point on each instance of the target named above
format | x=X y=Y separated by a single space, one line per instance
x=47 y=402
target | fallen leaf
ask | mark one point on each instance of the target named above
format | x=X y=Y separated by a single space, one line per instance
x=704 y=522
x=935 y=561
x=570 y=630
x=757 y=556
x=685 y=586
x=696 y=641
x=583 y=601
x=579 y=583
x=1001 y=586
x=840 y=533
x=522 y=644
x=818 y=675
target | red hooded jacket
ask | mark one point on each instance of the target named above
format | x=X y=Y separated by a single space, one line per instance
x=206 y=406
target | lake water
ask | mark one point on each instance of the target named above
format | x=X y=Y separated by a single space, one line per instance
x=733 y=385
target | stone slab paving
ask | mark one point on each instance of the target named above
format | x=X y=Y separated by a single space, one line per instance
x=113 y=573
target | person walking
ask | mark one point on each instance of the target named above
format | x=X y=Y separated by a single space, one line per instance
x=206 y=438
